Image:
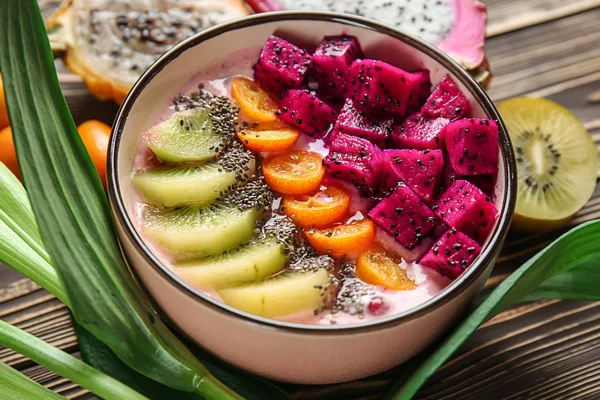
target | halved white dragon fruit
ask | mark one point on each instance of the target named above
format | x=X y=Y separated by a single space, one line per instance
x=457 y=27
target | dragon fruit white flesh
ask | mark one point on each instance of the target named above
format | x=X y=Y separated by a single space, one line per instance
x=457 y=27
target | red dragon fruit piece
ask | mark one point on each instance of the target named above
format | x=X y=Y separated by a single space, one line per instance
x=421 y=90
x=419 y=132
x=354 y=160
x=420 y=170
x=451 y=254
x=356 y=123
x=303 y=109
x=281 y=65
x=378 y=84
x=332 y=60
x=404 y=216
x=414 y=255
x=458 y=27
x=487 y=183
x=447 y=101
x=465 y=207
x=473 y=146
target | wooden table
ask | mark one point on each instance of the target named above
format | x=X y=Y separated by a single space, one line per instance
x=542 y=350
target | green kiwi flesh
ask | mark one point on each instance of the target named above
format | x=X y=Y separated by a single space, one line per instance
x=284 y=294
x=200 y=229
x=557 y=162
x=248 y=263
x=178 y=185
x=187 y=136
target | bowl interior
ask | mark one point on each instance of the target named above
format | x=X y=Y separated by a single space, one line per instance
x=172 y=72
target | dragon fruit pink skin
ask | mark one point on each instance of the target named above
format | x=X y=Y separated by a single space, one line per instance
x=457 y=27
x=420 y=170
x=446 y=101
x=331 y=62
x=355 y=122
x=473 y=146
x=303 y=109
x=404 y=216
x=466 y=208
x=465 y=41
x=354 y=160
x=419 y=132
x=281 y=65
x=451 y=254
x=374 y=83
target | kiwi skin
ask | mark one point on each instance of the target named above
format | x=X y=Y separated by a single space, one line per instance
x=523 y=224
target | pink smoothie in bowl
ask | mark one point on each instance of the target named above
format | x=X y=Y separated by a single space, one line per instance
x=417 y=171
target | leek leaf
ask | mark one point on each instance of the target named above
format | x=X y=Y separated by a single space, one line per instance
x=20 y=242
x=16 y=386
x=246 y=384
x=64 y=364
x=15 y=251
x=566 y=269
x=74 y=217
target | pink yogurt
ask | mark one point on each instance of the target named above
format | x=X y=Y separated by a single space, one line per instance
x=217 y=79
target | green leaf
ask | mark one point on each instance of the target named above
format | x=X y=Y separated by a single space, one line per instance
x=16 y=386
x=97 y=354
x=74 y=217
x=563 y=270
x=247 y=385
x=64 y=364
x=20 y=242
x=15 y=251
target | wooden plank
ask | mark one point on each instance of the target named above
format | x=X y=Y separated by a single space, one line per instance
x=535 y=59
x=511 y=15
x=537 y=350
x=518 y=355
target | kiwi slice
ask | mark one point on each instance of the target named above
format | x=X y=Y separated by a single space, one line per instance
x=284 y=294
x=557 y=162
x=247 y=263
x=202 y=229
x=193 y=135
x=177 y=185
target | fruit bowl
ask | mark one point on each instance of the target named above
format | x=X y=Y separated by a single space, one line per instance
x=289 y=351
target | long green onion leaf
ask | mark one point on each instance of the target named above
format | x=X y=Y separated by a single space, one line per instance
x=20 y=242
x=64 y=364
x=16 y=386
x=25 y=260
x=74 y=217
x=568 y=268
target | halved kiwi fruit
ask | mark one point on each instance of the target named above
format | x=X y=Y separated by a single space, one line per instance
x=247 y=263
x=557 y=162
x=193 y=135
x=176 y=185
x=202 y=229
x=284 y=294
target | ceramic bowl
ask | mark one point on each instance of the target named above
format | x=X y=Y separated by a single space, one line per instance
x=283 y=351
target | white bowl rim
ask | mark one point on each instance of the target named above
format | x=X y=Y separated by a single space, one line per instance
x=449 y=293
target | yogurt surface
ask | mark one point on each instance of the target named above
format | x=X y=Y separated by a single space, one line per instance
x=356 y=301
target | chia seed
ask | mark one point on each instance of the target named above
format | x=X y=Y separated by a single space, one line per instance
x=353 y=294
x=254 y=194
